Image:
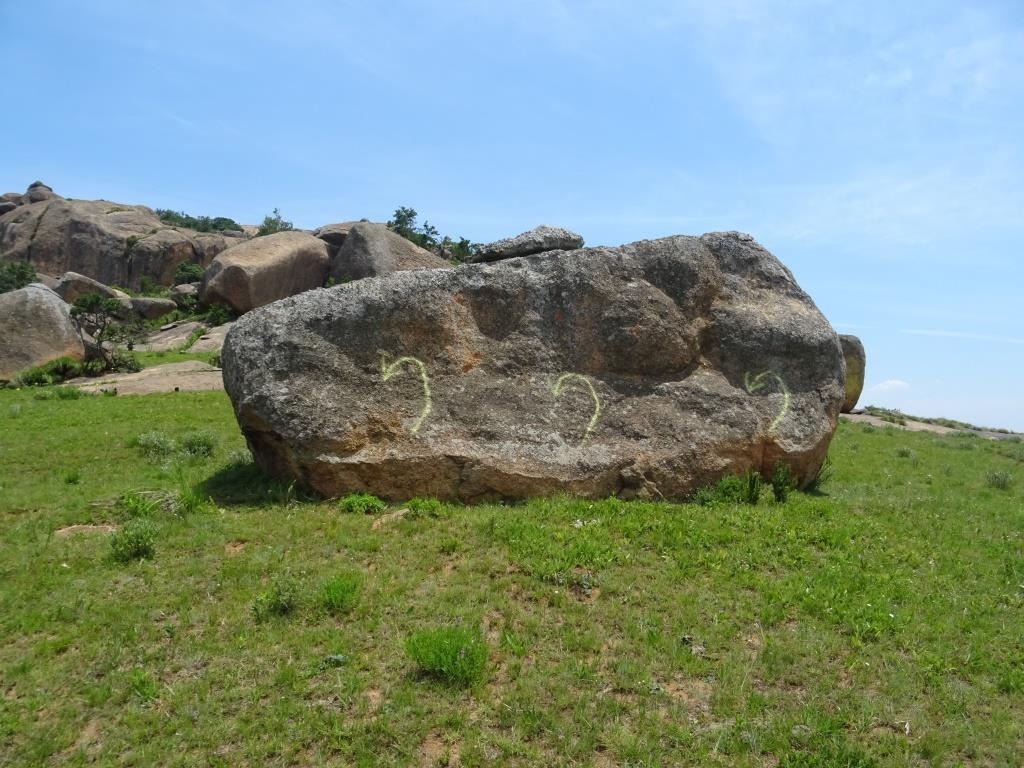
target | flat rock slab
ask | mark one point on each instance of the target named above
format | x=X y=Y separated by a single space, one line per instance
x=170 y=338
x=212 y=340
x=188 y=376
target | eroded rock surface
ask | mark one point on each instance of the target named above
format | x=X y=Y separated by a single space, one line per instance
x=370 y=250
x=118 y=245
x=647 y=370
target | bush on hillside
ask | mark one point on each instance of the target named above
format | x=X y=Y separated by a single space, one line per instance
x=15 y=275
x=198 y=223
x=273 y=224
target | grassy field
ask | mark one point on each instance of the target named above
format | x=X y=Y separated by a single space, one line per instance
x=878 y=623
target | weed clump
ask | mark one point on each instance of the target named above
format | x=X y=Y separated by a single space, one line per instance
x=732 y=489
x=198 y=444
x=280 y=599
x=1000 y=480
x=136 y=540
x=362 y=503
x=455 y=655
x=339 y=595
x=783 y=482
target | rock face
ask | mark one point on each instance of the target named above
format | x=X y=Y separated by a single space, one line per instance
x=371 y=249
x=537 y=240
x=109 y=242
x=266 y=269
x=648 y=370
x=35 y=327
x=853 y=352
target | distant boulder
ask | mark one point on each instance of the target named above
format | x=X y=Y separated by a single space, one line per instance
x=113 y=243
x=266 y=269
x=538 y=240
x=35 y=328
x=334 y=234
x=853 y=353
x=151 y=308
x=373 y=249
x=37 y=192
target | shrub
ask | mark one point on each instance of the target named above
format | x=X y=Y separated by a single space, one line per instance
x=340 y=594
x=216 y=315
x=426 y=236
x=273 y=223
x=134 y=541
x=453 y=654
x=423 y=507
x=52 y=372
x=280 y=599
x=782 y=482
x=198 y=444
x=15 y=275
x=155 y=445
x=364 y=503
x=188 y=272
x=1000 y=480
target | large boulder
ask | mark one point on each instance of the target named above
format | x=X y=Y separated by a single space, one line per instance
x=35 y=328
x=538 y=240
x=72 y=285
x=371 y=249
x=266 y=269
x=853 y=353
x=37 y=192
x=648 y=370
x=115 y=244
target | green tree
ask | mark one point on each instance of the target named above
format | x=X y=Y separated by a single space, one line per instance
x=273 y=223
x=404 y=223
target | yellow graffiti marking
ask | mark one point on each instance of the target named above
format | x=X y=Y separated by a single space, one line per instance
x=387 y=371
x=567 y=378
x=758 y=382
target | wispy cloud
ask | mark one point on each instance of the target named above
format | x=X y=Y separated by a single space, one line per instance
x=890 y=385
x=966 y=335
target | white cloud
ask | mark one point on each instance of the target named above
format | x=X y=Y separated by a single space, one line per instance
x=890 y=385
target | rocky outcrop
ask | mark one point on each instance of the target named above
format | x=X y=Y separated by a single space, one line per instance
x=853 y=353
x=334 y=234
x=118 y=245
x=266 y=269
x=648 y=370
x=37 y=192
x=373 y=249
x=72 y=285
x=35 y=328
x=538 y=240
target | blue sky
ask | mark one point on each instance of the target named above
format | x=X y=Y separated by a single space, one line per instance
x=877 y=148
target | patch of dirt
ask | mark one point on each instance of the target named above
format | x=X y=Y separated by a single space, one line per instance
x=434 y=751
x=694 y=694
x=233 y=548
x=388 y=518
x=73 y=529
x=373 y=699
x=912 y=425
x=187 y=376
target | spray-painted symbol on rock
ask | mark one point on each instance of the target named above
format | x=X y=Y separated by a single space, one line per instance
x=387 y=371
x=756 y=383
x=569 y=378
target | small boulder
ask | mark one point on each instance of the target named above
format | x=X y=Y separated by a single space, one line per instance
x=6 y=206
x=35 y=328
x=37 y=192
x=334 y=234
x=853 y=352
x=265 y=269
x=538 y=240
x=373 y=249
x=150 y=308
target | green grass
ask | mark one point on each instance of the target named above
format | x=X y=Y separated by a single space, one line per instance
x=876 y=623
